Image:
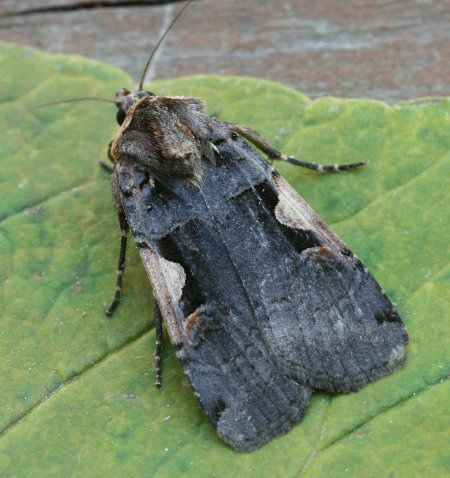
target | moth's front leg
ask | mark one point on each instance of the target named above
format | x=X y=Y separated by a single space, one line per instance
x=260 y=142
x=121 y=267
x=104 y=165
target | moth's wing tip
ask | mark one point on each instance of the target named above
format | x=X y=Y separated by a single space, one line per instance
x=242 y=434
x=349 y=384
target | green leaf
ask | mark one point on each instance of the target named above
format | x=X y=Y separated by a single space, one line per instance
x=76 y=389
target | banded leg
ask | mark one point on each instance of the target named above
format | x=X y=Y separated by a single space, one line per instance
x=158 y=347
x=260 y=142
x=104 y=165
x=120 y=269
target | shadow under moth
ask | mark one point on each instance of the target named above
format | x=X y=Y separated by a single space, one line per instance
x=263 y=303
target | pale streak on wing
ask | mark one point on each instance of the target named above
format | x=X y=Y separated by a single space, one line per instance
x=295 y=212
x=167 y=291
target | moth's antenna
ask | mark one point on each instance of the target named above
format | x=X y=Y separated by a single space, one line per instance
x=177 y=16
x=71 y=100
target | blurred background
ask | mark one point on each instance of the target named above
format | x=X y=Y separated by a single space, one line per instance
x=380 y=49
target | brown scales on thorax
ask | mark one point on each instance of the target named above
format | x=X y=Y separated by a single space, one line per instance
x=168 y=135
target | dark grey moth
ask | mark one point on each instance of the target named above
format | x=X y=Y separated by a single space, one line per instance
x=262 y=301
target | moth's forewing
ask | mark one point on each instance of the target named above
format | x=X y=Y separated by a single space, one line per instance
x=338 y=330
x=261 y=300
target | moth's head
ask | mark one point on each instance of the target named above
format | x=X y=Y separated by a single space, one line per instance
x=126 y=98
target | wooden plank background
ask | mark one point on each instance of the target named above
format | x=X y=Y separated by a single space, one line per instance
x=380 y=49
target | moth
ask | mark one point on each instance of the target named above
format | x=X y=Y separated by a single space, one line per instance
x=263 y=303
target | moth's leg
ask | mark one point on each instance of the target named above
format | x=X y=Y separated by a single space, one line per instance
x=104 y=165
x=260 y=142
x=120 y=269
x=158 y=346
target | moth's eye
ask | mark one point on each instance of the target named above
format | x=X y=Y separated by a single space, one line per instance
x=234 y=135
x=120 y=116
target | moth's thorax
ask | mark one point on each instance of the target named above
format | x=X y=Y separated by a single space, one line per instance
x=168 y=135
